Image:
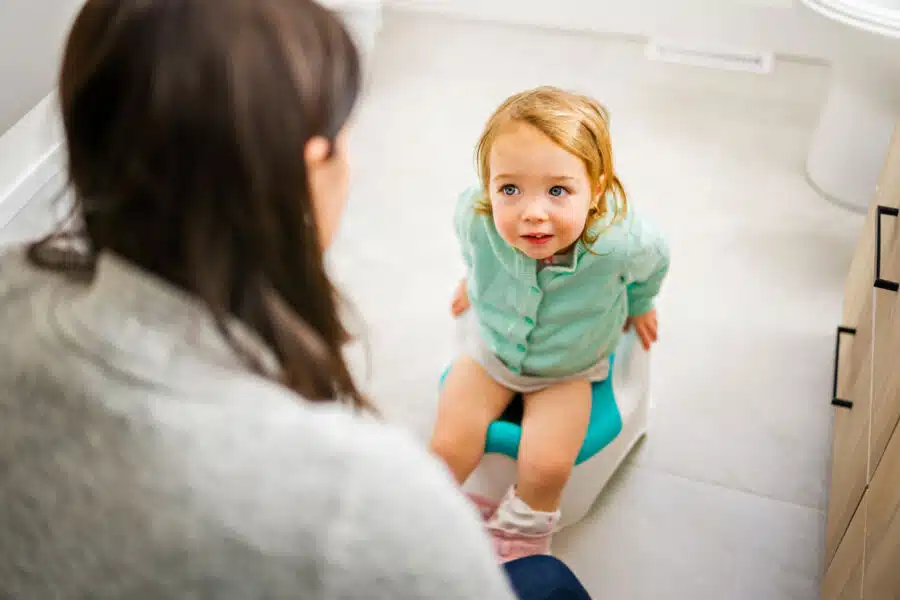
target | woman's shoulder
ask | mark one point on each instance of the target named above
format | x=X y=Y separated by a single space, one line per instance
x=369 y=452
x=397 y=505
x=21 y=284
x=325 y=446
x=376 y=500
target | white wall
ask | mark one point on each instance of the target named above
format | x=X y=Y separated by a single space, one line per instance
x=31 y=158
x=363 y=19
x=32 y=34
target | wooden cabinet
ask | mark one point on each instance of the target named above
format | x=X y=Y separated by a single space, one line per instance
x=844 y=578
x=850 y=446
x=862 y=540
x=885 y=407
x=882 y=549
x=887 y=194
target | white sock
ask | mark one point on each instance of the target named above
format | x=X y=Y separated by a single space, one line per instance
x=516 y=517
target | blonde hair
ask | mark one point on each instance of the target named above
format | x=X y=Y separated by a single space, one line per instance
x=576 y=123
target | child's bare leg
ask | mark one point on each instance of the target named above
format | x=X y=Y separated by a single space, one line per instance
x=470 y=401
x=554 y=425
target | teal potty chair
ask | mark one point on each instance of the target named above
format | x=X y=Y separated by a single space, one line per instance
x=619 y=418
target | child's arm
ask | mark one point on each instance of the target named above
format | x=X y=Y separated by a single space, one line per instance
x=461 y=301
x=647 y=264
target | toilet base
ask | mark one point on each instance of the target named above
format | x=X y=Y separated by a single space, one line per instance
x=852 y=137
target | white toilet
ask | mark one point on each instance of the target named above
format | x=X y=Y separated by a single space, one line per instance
x=863 y=103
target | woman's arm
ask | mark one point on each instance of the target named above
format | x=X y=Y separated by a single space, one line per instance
x=406 y=532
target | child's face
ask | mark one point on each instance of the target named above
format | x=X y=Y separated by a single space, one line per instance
x=540 y=194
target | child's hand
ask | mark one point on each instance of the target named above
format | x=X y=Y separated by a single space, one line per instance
x=645 y=326
x=460 y=299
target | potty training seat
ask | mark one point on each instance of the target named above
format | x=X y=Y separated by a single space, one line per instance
x=619 y=418
x=505 y=434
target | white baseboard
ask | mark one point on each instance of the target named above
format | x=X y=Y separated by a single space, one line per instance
x=782 y=27
x=32 y=160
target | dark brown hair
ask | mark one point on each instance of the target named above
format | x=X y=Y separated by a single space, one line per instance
x=186 y=123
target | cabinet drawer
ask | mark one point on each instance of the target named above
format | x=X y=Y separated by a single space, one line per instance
x=882 y=577
x=862 y=269
x=850 y=444
x=886 y=357
x=844 y=578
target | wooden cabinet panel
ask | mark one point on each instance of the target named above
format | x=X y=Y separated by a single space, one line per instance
x=862 y=272
x=862 y=269
x=882 y=554
x=862 y=538
x=850 y=447
x=886 y=359
x=844 y=577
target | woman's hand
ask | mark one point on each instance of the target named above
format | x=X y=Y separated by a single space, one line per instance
x=645 y=326
x=460 y=299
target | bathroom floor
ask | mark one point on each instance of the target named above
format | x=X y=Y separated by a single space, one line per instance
x=725 y=496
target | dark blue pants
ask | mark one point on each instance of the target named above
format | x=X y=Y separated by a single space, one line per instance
x=544 y=578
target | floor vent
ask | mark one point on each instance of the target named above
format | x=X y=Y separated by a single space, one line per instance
x=712 y=58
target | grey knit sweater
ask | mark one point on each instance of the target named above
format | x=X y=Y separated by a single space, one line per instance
x=140 y=460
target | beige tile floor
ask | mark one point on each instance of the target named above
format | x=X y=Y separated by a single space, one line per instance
x=724 y=498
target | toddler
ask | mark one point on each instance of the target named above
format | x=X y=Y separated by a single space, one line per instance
x=558 y=265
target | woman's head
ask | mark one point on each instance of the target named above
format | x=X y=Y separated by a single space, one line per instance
x=206 y=145
x=546 y=167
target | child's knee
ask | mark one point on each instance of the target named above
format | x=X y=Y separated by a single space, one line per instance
x=458 y=438
x=462 y=418
x=549 y=471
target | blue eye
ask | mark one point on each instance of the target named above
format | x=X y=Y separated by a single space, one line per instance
x=509 y=190
x=557 y=191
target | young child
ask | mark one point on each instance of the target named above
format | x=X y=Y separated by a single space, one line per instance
x=558 y=266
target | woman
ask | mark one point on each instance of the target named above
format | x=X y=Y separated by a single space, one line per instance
x=175 y=421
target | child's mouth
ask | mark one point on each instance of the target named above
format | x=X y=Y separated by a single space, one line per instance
x=538 y=239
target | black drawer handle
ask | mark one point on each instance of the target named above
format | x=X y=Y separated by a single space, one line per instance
x=884 y=284
x=837 y=357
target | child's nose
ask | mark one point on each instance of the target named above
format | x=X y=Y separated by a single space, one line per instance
x=534 y=211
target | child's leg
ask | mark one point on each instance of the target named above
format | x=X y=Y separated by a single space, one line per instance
x=470 y=400
x=554 y=425
x=553 y=430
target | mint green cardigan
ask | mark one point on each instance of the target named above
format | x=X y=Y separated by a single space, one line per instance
x=558 y=320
